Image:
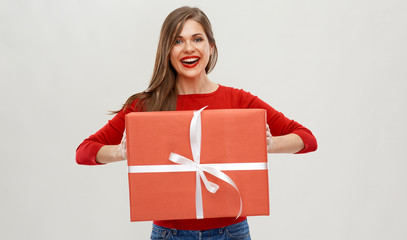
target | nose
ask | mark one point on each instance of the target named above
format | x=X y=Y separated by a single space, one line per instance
x=188 y=47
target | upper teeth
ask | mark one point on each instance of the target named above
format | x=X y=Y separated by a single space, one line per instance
x=190 y=60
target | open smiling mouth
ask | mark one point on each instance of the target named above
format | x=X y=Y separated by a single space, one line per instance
x=190 y=62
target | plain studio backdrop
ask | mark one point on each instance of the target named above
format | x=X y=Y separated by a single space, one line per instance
x=338 y=67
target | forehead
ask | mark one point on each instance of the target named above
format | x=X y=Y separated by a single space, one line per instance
x=190 y=28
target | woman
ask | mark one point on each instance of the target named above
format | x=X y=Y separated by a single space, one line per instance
x=186 y=54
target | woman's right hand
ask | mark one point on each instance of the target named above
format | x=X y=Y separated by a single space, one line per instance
x=121 y=152
x=113 y=153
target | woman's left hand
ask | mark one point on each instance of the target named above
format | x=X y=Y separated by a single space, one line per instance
x=269 y=138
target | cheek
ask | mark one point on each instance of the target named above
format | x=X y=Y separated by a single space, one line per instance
x=173 y=58
x=172 y=61
x=208 y=51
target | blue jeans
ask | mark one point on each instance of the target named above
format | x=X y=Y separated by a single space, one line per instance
x=238 y=231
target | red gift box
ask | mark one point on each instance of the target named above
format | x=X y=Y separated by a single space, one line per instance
x=230 y=144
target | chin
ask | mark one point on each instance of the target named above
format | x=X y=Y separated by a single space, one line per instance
x=191 y=75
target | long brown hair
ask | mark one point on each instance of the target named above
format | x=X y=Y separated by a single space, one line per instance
x=161 y=94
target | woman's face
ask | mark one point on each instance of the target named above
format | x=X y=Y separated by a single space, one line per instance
x=191 y=51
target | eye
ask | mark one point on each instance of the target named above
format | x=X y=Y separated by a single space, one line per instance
x=178 y=41
x=198 y=39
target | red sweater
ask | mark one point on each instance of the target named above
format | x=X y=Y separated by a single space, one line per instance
x=222 y=98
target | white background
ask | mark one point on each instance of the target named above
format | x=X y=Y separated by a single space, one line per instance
x=337 y=67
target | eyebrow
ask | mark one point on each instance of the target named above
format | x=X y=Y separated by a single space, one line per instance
x=194 y=35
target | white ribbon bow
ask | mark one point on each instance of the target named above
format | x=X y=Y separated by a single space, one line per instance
x=195 y=142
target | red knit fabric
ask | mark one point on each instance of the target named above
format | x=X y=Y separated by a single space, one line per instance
x=222 y=98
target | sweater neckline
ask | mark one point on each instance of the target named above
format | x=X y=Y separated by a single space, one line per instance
x=194 y=95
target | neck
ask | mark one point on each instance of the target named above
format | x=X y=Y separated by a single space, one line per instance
x=195 y=86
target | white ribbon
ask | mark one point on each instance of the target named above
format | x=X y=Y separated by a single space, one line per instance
x=195 y=142
x=192 y=168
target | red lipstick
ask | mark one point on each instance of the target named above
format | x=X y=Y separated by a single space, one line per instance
x=190 y=61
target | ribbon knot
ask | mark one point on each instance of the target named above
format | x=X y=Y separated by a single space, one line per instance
x=210 y=186
x=195 y=142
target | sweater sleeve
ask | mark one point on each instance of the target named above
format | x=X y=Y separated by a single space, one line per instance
x=278 y=123
x=110 y=134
